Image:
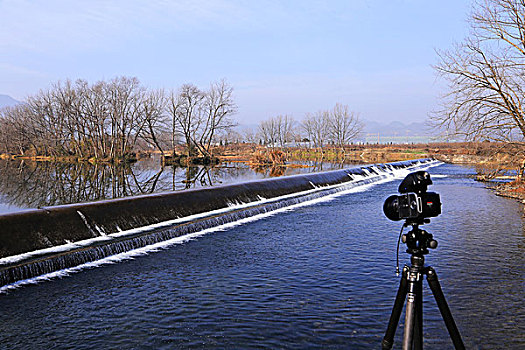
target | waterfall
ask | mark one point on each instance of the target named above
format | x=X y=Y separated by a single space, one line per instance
x=72 y=235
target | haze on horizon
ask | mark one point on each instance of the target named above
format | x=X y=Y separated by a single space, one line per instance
x=281 y=57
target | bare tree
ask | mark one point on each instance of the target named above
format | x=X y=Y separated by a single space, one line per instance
x=94 y=112
x=217 y=108
x=316 y=127
x=486 y=76
x=269 y=132
x=65 y=123
x=185 y=108
x=17 y=129
x=124 y=95
x=231 y=136
x=285 y=127
x=154 y=121
x=343 y=126
x=249 y=135
x=277 y=131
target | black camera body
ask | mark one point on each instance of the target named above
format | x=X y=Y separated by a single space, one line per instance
x=415 y=203
x=412 y=206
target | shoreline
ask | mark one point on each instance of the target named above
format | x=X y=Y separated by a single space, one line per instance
x=511 y=190
x=368 y=154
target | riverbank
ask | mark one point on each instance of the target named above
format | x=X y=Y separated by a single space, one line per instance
x=515 y=190
x=491 y=160
x=456 y=153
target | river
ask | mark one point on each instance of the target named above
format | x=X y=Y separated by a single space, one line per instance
x=315 y=277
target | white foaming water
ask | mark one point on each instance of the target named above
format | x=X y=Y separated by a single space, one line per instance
x=390 y=176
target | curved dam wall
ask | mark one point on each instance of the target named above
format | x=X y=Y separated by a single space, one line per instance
x=41 y=241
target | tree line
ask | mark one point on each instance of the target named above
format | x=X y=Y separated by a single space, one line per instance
x=108 y=120
x=111 y=120
x=338 y=126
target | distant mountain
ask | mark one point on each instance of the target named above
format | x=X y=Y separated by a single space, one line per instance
x=7 y=101
x=396 y=128
x=396 y=132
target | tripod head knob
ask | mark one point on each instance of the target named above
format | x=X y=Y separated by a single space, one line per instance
x=418 y=241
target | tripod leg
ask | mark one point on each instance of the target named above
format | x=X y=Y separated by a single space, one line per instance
x=417 y=341
x=410 y=314
x=433 y=282
x=388 y=340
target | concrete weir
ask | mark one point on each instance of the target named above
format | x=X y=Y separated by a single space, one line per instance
x=41 y=241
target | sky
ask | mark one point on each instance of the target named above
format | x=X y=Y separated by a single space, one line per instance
x=281 y=57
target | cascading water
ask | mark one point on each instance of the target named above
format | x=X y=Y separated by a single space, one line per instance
x=170 y=219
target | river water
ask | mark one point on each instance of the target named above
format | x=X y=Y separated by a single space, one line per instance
x=316 y=277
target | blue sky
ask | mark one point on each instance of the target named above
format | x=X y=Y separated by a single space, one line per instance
x=281 y=57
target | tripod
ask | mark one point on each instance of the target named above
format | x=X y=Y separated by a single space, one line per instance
x=411 y=287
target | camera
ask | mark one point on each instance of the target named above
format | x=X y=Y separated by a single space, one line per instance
x=415 y=203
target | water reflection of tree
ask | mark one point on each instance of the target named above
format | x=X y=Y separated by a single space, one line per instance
x=298 y=167
x=30 y=184
x=270 y=171
x=37 y=184
x=199 y=176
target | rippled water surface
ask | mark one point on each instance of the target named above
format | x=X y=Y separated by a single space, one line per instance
x=320 y=276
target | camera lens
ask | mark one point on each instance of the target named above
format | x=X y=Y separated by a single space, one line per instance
x=391 y=208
